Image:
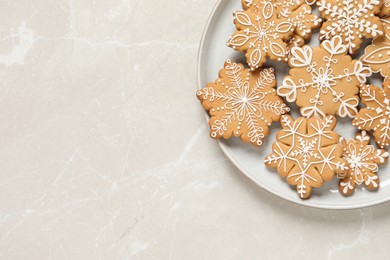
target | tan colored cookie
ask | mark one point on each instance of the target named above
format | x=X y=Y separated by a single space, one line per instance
x=242 y=103
x=307 y=153
x=376 y=115
x=324 y=80
x=350 y=19
x=385 y=10
x=299 y=13
x=295 y=41
x=261 y=35
x=362 y=161
x=377 y=55
x=304 y=21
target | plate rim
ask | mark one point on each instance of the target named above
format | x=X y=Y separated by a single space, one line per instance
x=305 y=203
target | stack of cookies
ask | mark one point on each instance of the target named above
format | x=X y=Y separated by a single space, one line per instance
x=324 y=82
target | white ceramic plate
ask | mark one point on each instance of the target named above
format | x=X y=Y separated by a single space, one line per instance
x=250 y=160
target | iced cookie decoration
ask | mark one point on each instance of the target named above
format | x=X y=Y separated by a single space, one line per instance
x=324 y=80
x=296 y=11
x=295 y=41
x=376 y=115
x=242 y=103
x=362 y=162
x=307 y=153
x=350 y=19
x=377 y=55
x=299 y=13
x=260 y=35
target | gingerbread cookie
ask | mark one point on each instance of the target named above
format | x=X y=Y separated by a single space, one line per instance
x=362 y=161
x=350 y=19
x=324 y=80
x=376 y=115
x=385 y=10
x=295 y=41
x=297 y=12
x=261 y=35
x=242 y=103
x=377 y=55
x=307 y=153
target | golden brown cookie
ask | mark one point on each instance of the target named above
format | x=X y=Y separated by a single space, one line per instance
x=307 y=153
x=242 y=103
x=260 y=35
x=324 y=80
x=295 y=41
x=362 y=162
x=376 y=115
x=304 y=21
x=296 y=11
x=377 y=55
x=385 y=10
x=350 y=19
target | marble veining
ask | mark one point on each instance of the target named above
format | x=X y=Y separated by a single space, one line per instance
x=105 y=151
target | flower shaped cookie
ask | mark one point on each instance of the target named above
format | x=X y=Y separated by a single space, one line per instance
x=362 y=161
x=261 y=34
x=376 y=115
x=352 y=19
x=242 y=103
x=324 y=80
x=307 y=153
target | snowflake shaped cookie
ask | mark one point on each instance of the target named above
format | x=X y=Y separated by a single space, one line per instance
x=376 y=115
x=296 y=11
x=377 y=55
x=288 y=2
x=260 y=35
x=362 y=161
x=242 y=103
x=324 y=80
x=307 y=153
x=350 y=19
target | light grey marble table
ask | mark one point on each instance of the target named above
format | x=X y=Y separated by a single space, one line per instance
x=105 y=154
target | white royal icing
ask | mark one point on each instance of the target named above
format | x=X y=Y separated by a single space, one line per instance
x=325 y=79
x=349 y=18
x=306 y=152
x=244 y=103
